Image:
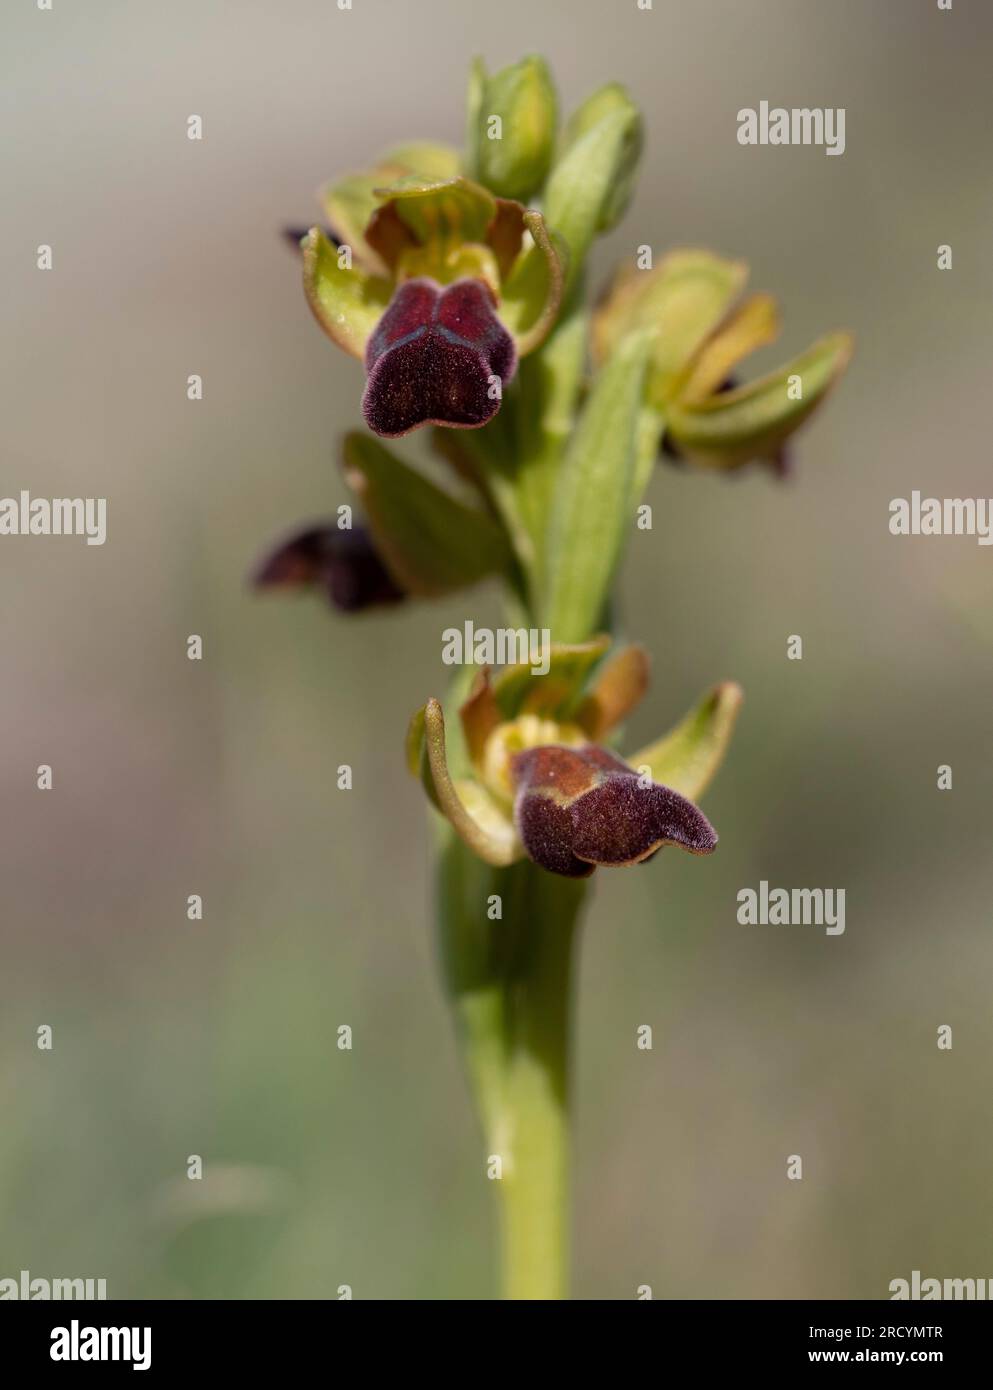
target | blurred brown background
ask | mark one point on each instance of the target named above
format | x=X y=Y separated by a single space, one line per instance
x=175 y=777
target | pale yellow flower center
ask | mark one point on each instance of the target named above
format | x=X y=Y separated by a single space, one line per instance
x=527 y=731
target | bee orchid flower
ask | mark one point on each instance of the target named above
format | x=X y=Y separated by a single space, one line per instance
x=691 y=302
x=436 y=283
x=542 y=784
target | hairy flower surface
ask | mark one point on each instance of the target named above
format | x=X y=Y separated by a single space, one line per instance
x=579 y=807
x=437 y=356
x=344 y=564
x=538 y=785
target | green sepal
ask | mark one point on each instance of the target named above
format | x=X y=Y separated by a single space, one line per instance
x=347 y=303
x=416 y=756
x=517 y=690
x=350 y=202
x=688 y=757
x=446 y=212
x=430 y=542
x=736 y=427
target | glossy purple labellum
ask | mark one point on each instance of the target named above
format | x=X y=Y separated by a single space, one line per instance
x=344 y=563
x=576 y=808
x=433 y=357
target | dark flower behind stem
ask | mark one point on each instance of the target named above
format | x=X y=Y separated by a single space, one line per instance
x=342 y=562
x=576 y=808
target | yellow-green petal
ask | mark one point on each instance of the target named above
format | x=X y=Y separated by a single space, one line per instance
x=518 y=690
x=681 y=302
x=618 y=688
x=754 y=324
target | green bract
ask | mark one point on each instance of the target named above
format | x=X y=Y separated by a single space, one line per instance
x=591 y=506
x=606 y=129
x=591 y=181
x=430 y=542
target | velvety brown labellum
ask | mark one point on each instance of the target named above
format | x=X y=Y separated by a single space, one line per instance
x=579 y=807
x=433 y=357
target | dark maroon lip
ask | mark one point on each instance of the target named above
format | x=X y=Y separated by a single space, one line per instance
x=344 y=563
x=577 y=808
x=433 y=357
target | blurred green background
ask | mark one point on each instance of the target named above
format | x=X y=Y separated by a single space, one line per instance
x=174 y=777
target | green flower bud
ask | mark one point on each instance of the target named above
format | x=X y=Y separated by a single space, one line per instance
x=592 y=179
x=512 y=121
x=611 y=105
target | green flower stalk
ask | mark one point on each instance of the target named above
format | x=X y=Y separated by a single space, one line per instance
x=459 y=281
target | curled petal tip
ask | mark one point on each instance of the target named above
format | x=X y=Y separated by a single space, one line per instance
x=623 y=822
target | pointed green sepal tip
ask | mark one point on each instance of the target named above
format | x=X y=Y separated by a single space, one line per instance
x=687 y=758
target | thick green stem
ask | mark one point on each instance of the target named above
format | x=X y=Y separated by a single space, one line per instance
x=535 y=1115
x=511 y=981
x=507 y=935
